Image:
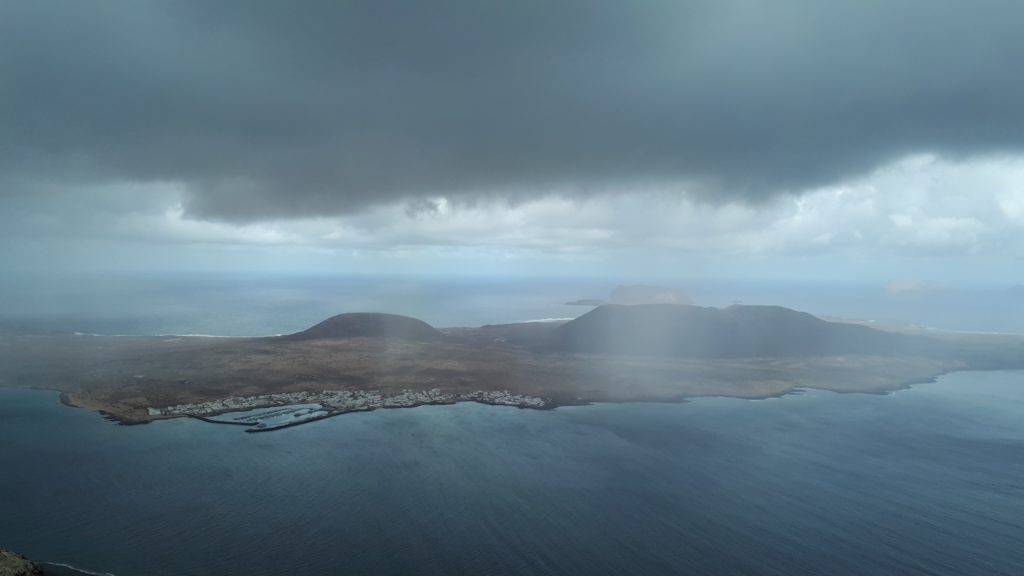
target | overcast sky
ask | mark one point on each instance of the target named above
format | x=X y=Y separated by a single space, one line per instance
x=873 y=140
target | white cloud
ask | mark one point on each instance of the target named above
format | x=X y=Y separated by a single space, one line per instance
x=922 y=206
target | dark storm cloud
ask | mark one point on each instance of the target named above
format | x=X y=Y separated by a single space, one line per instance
x=269 y=109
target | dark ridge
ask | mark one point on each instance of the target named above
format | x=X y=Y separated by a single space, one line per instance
x=369 y=325
x=733 y=332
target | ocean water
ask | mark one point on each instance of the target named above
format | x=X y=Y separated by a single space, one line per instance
x=927 y=481
x=261 y=305
x=237 y=305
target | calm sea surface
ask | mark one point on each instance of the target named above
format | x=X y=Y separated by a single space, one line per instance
x=254 y=305
x=928 y=481
x=925 y=481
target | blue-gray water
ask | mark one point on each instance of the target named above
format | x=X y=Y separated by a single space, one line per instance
x=925 y=481
x=251 y=305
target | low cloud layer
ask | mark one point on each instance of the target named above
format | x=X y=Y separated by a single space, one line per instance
x=917 y=218
x=263 y=111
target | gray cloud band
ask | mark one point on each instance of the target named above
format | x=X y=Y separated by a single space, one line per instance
x=272 y=109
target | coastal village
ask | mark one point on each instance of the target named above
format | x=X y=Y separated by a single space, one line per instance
x=275 y=411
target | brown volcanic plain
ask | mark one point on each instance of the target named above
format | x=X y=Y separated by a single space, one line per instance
x=612 y=354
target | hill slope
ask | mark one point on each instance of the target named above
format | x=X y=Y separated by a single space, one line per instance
x=733 y=332
x=369 y=325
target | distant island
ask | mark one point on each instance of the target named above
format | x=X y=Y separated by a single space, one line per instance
x=367 y=361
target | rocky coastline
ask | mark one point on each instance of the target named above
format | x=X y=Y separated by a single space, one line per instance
x=12 y=564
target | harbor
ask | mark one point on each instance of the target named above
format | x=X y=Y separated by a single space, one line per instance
x=270 y=412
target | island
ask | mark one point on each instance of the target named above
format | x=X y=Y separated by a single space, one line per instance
x=366 y=361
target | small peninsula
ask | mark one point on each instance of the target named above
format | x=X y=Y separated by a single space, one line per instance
x=367 y=361
x=12 y=564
